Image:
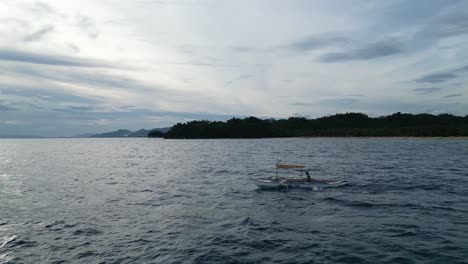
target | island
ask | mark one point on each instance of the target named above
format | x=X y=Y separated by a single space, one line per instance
x=338 y=125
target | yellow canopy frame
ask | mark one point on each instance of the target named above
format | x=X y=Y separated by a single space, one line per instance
x=288 y=166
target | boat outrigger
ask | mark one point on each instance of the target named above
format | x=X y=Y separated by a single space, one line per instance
x=276 y=182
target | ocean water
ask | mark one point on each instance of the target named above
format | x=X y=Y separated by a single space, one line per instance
x=191 y=201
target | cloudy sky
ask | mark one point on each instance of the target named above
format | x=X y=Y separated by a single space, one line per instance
x=72 y=67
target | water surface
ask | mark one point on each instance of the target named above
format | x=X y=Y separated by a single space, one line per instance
x=191 y=201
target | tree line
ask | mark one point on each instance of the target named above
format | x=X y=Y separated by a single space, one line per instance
x=339 y=125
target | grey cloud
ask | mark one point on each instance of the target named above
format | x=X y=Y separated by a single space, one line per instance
x=452 y=24
x=439 y=77
x=209 y=64
x=42 y=8
x=15 y=22
x=94 y=78
x=129 y=112
x=76 y=108
x=343 y=102
x=51 y=91
x=48 y=59
x=39 y=34
x=75 y=112
x=453 y=95
x=241 y=49
x=74 y=121
x=7 y=108
x=317 y=41
x=436 y=78
x=47 y=95
x=88 y=25
x=240 y=78
x=303 y=104
x=461 y=69
x=245 y=76
x=74 y=47
x=332 y=102
x=432 y=20
x=372 y=51
x=427 y=90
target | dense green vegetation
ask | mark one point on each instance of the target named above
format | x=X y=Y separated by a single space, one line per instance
x=339 y=125
x=156 y=133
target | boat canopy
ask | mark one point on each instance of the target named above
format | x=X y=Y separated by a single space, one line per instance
x=289 y=166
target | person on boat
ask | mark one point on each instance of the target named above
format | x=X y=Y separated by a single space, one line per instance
x=309 y=179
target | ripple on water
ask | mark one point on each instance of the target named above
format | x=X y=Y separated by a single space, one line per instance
x=17 y=242
x=87 y=232
x=191 y=201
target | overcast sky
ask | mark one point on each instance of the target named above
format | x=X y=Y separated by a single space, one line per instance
x=71 y=67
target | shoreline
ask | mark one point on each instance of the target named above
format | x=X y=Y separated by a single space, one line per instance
x=335 y=137
x=311 y=137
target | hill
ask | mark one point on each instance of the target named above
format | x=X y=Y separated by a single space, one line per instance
x=127 y=133
x=339 y=125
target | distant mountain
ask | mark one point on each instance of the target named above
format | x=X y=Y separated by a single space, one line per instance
x=162 y=129
x=115 y=134
x=127 y=133
x=140 y=133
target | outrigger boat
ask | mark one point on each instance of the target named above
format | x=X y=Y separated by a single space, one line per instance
x=276 y=182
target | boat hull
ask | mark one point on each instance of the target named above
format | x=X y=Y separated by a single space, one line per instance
x=272 y=183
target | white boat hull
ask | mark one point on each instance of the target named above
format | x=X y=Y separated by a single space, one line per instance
x=272 y=183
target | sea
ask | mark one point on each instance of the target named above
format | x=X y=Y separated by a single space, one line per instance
x=140 y=200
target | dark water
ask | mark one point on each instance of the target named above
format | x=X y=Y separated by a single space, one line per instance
x=190 y=201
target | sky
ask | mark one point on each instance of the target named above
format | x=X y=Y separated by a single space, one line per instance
x=74 y=67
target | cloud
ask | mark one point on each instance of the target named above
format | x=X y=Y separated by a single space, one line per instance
x=80 y=76
x=242 y=49
x=81 y=108
x=371 y=51
x=453 y=95
x=303 y=104
x=7 y=108
x=48 y=59
x=436 y=78
x=342 y=102
x=103 y=122
x=9 y=122
x=38 y=35
x=62 y=83
x=47 y=95
x=74 y=47
x=461 y=69
x=427 y=90
x=449 y=25
x=88 y=25
x=317 y=41
x=440 y=77
x=332 y=102
x=240 y=78
x=41 y=8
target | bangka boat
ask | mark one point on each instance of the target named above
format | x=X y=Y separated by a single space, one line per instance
x=307 y=182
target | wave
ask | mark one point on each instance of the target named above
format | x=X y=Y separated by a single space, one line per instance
x=87 y=232
x=362 y=204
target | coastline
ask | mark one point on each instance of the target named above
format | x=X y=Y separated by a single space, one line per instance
x=331 y=137
x=311 y=137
